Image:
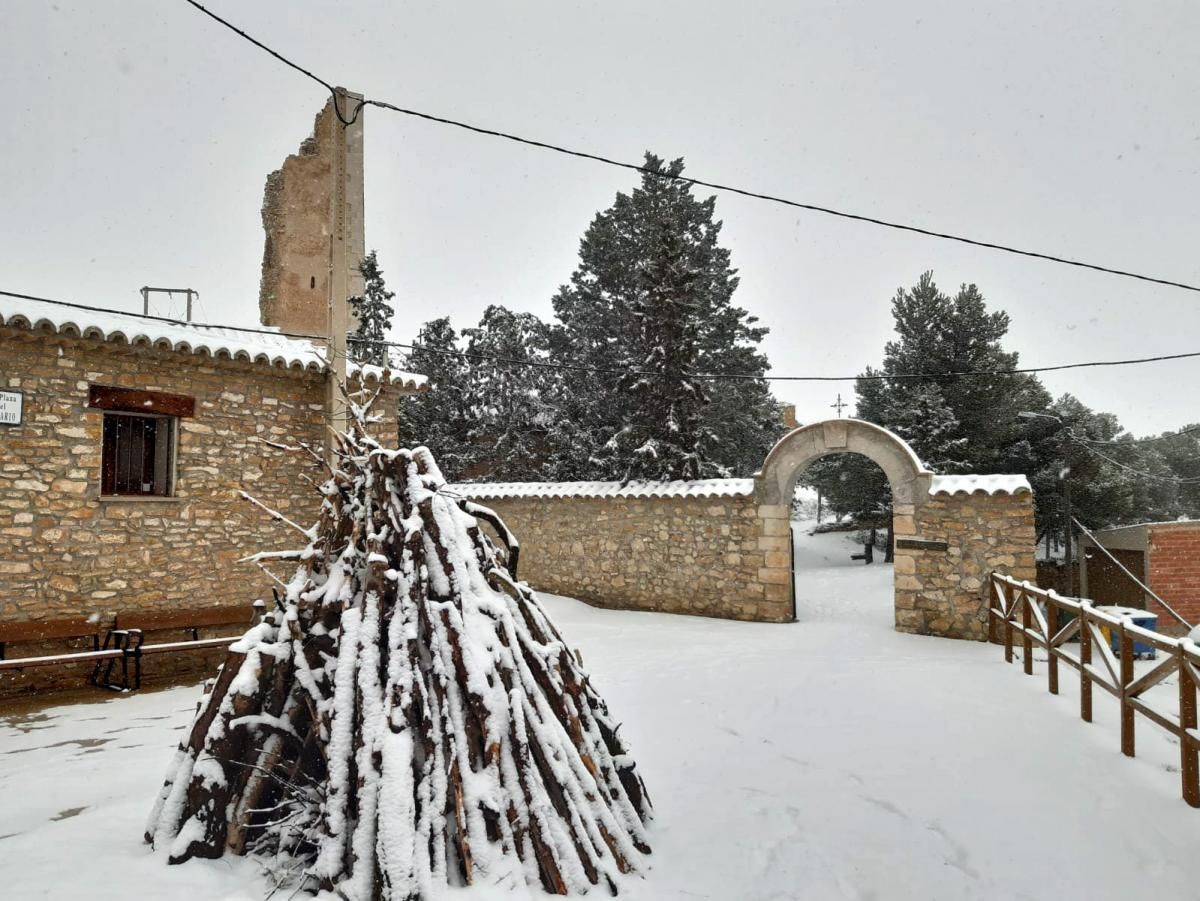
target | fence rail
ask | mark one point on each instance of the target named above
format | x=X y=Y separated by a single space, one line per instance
x=1035 y=617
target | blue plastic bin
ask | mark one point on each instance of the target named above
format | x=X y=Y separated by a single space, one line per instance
x=1147 y=621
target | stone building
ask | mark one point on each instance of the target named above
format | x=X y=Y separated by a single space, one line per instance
x=126 y=442
x=126 y=448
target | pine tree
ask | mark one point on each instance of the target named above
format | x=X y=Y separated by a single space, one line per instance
x=940 y=336
x=653 y=291
x=373 y=312
x=1180 y=453
x=506 y=398
x=440 y=416
x=953 y=424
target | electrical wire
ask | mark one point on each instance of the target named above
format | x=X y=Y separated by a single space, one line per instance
x=1164 y=437
x=897 y=376
x=183 y=322
x=598 y=158
x=1138 y=472
x=593 y=370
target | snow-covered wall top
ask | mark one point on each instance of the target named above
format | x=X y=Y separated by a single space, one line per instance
x=996 y=484
x=699 y=488
x=222 y=343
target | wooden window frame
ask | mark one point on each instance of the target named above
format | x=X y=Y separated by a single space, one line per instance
x=113 y=401
x=170 y=437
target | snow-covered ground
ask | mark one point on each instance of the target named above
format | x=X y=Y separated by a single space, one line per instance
x=828 y=759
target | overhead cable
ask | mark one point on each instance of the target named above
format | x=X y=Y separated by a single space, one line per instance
x=717 y=186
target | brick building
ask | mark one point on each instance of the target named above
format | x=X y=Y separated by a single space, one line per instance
x=1164 y=555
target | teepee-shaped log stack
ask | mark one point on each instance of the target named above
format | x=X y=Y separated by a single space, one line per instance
x=408 y=716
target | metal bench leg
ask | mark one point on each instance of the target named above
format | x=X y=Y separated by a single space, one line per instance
x=133 y=648
x=112 y=638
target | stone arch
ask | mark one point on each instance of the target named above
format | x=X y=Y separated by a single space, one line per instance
x=950 y=531
x=908 y=478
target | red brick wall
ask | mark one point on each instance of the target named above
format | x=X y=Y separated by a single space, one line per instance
x=1175 y=569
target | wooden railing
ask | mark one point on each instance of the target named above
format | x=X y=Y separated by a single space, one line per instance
x=1044 y=619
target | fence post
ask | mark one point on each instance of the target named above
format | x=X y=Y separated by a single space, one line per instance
x=993 y=601
x=1085 y=660
x=1189 y=757
x=1126 y=680
x=1026 y=639
x=1012 y=599
x=1051 y=659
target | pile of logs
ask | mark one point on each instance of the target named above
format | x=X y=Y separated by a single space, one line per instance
x=408 y=716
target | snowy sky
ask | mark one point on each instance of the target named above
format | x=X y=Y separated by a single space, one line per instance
x=138 y=135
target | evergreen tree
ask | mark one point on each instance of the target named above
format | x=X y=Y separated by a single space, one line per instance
x=939 y=336
x=653 y=291
x=507 y=400
x=373 y=312
x=953 y=423
x=852 y=485
x=439 y=418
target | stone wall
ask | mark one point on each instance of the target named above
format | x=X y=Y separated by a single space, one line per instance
x=729 y=555
x=709 y=556
x=65 y=551
x=945 y=591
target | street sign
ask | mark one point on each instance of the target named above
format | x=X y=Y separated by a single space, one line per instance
x=10 y=407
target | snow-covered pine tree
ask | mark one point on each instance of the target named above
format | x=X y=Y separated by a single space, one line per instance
x=601 y=326
x=507 y=397
x=408 y=716
x=372 y=310
x=441 y=417
x=941 y=336
x=664 y=435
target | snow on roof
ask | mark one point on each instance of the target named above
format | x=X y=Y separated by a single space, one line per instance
x=699 y=488
x=265 y=346
x=1184 y=523
x=996 y=484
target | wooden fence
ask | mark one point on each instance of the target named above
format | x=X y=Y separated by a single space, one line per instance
x=1047 y=620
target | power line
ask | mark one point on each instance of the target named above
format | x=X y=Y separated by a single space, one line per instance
x=1128 y=468
x=183 y=322
x=772 y=198
x=279 y=56
x=898 y=376
x=1120 y=443
x=593 y=370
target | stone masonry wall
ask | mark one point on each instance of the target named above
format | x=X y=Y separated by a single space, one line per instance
x=1174 y=560
x=730 y=556
x=945 y=592
x=718 y=556
x=297 y=217
x=67 y=552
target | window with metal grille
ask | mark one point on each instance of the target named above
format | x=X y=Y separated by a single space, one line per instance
x=138 y=455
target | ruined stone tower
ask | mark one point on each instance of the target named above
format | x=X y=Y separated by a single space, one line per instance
x=298 y=218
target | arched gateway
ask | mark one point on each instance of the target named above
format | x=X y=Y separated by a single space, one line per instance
x=721 y=547
x=950 y=531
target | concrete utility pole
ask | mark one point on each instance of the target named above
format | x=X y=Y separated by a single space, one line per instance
x=348 y=140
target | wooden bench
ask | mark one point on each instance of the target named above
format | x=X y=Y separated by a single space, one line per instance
x=124 y=639
x=129 y=636
x=48 y=630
